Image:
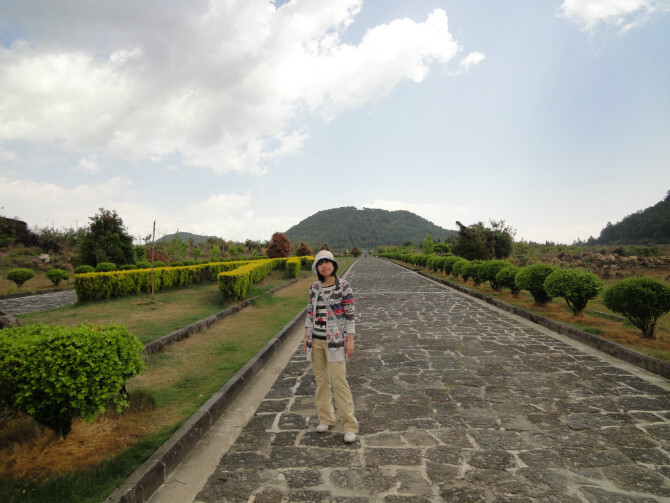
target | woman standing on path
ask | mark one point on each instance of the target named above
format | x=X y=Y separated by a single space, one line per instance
x=329 y=342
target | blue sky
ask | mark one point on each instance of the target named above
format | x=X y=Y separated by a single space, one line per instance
x=242 y=118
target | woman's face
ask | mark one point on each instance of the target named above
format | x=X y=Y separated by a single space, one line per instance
x=325 y=267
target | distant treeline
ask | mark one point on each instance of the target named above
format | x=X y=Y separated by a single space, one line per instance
x=650 y=226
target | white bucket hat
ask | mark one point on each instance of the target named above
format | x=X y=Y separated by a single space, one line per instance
x=323 y=254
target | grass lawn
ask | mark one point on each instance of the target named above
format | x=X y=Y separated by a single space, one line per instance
x=171 y=310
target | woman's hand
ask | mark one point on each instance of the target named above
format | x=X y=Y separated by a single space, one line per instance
x=349 y=346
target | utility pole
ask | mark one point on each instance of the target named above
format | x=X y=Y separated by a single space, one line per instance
x=153 y=258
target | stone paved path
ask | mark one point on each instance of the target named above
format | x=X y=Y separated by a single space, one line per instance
x=457 y=402
x=28 y=304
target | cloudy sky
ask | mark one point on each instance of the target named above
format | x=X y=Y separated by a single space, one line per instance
x=239 y=118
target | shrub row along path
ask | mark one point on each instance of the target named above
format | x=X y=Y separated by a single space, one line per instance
x=457 y=401
x=40 y=302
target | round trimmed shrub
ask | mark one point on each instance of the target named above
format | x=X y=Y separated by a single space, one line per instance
x=575 y=286
x=642 y=300
x=105 y=267
x=532 y=278
x=84 y=269
x=449 y=263
x=457 y=267
x=490 y=269
x=57 y=275
x=158 y=263
x=472 y=270
x=56 y=373
x=506 y=278
x=127 y=267
x=20 y=275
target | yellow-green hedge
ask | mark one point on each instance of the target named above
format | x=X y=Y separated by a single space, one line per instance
x=293 y=266
x=108 y=285
x=235 y=284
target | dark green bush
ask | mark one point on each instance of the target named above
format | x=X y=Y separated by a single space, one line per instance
x=127 y=267
x=57 y=275
x=435 y=263
x=472 y=270
x=55 y=374
x=20 y=275
x=143 y=264
x=532 y=278
x=105 y=267
x=490 y=269
x=575 y=286
x=642 y=300
x=83 y=269
x=158 y=263
x=457 y=266
x=506 y=278
x=449 y=263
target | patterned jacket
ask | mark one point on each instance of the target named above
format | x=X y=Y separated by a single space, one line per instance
x=340 y=320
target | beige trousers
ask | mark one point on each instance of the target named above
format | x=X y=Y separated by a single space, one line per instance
x=332 y=375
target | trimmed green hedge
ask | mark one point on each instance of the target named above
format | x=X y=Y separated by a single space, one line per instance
x=108 y=285
x=234 y=284
x=55 y=373
x=293 y=265
x=20 y=275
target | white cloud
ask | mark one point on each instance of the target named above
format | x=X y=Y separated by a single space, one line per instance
x=472 y=59
x=8 y=156
x=66 y=206
x=230 y=217
x=226 y=85
x=88 y=166
x=621 y=13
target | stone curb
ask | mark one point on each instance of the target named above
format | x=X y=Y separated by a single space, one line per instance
x=649 y=363
x=142 y=483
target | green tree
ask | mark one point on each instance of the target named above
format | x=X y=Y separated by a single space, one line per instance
x=215 y=253
x=642 y=300
x=177 y=248
x=574 y=286
x=428 y=245
x=484 y=243
x=106 y=240
x=442 y=249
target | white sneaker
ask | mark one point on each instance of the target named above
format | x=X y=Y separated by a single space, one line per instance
x=322 y=427
x=349 y=437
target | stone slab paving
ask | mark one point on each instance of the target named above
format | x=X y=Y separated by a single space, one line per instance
x=30 y=303
x=457 y=402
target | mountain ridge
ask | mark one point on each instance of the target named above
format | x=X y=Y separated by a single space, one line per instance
x=346 y=227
